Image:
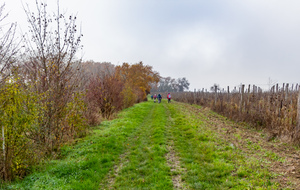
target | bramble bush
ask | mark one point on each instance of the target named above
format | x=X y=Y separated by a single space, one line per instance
x=18 y=115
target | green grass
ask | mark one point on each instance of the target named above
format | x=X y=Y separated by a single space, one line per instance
x=130 y=153
x=144 y=164
x=213 y=163
x=88 y=161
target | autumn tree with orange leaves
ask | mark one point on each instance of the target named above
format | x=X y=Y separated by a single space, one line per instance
x=137 y=79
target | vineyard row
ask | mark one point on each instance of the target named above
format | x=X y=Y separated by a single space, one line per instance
x=277 y=110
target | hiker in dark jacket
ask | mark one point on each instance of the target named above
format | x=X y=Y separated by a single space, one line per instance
x=159 y=98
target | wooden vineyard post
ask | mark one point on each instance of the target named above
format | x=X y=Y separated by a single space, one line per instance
x=249 y=87
x=195 y=96
x=286 y=91
x=202 y=96
x=254 y=96
x=228 y=93
x=205 y=96
x=282 y=99
x=277 y=99
x=215 y=96
x=298 y=114
x=228 y=99
x=241 y=101
x=282 y=91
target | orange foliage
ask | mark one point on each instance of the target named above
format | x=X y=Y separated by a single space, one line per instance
x=114 y=88
x=137 y=79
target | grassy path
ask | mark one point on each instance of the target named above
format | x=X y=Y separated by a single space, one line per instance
x=159 y=146
x=144 y=164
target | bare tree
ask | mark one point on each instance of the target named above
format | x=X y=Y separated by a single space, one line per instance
x=52 y=67
x=183 y=84
x=91 y=70
x=215 y=88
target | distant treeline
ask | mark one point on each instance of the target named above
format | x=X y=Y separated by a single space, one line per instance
x=169 y=84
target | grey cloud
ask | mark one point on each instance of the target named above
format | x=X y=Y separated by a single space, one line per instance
x=225 y=42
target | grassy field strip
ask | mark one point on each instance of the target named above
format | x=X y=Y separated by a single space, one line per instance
x=211 y=161
x=279 y=158
x=87 y=162
x=146 y=166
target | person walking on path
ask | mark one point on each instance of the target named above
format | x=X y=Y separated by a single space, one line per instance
x=169 y=97
x=154 y=97
x=159 y=98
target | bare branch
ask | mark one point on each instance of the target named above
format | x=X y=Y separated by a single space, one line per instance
x=8 y=49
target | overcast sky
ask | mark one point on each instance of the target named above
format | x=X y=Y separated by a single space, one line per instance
x=227 y=42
